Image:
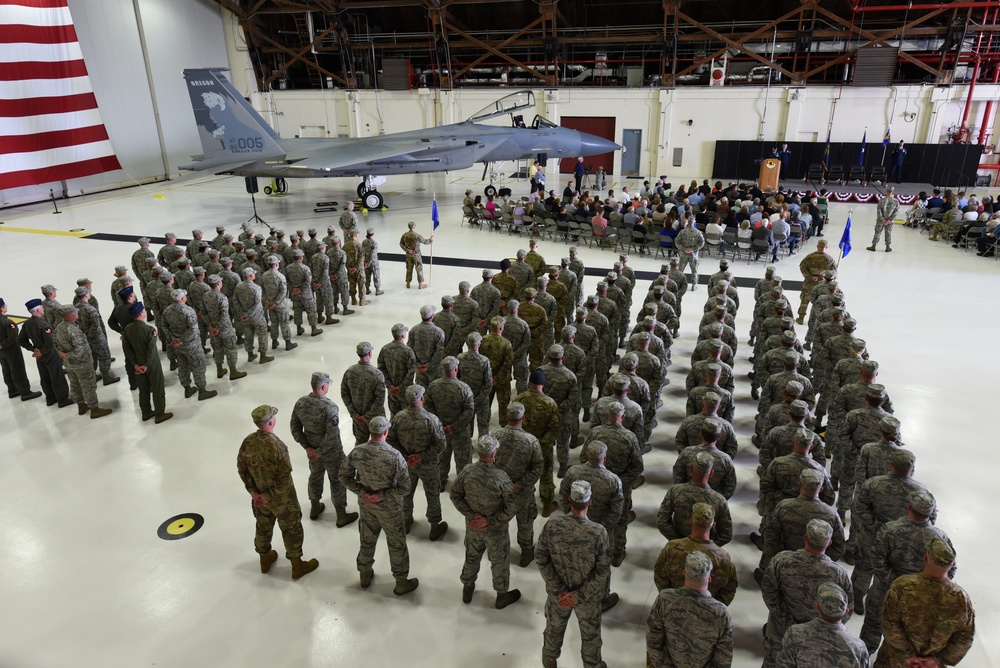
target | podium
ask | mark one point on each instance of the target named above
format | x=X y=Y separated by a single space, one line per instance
x=770 y=170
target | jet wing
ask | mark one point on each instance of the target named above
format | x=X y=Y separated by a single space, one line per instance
x=367 y=154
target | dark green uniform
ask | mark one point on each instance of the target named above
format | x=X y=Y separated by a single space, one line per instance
x=139 y=344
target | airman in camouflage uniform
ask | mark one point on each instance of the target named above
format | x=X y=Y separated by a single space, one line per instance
x=377 y=473
x=689 y=433
x=520 y=457
x=852 y=395
x=609 y=308
x=499 y=352
x=608 y=500
x=875 y=458
x=474 y=370
x=585 y=338
x=92 y=326
x=410 y=245
x=597 y=321
x=812 y=267
x=541 y=419
x=713 y=372
x=300 y=285
x=449 y=324
x=453 y=403
x=699 y=370
x=534 y=259
x=466 y=309
x=517 y=332
x=578 y=268
x=484 y=495
x=355 y=268
x=774 y=387
x=315 y=425
x=398 y=364
x=338 y=277
x=266 y=472
x=824 y=641
x=713 y=332
x=319 y=265
x=537 y=321
x=617 y=295
x=569 y=279
x=688 y=242
x=560 y=293
x=506 y=284
x=786 y=523
x=121 y=280
x=419 y=436
x=633 y=421
x=363 y=392
x=215 y=314
x=139 y=258
x=927 y=616
x=275 y=287
x=196 y=298
x=777 y=414
x=181 y=325
x=551 y=308
x=724 y=479
x=522 y=272
x=373 y=271
x=213 y=266
x=310 y=246
x=348 y=219
x=74 y=350
x=561 y=386
x=686 y=626
x=164 y=300
x=249 y=311
x=668 y=573
x=427 y=341
x=487 y=297
x=778 y=441
x=859 y=427
x=575 y=359
x=790 y=583
x=573 y=559
x=674 y=517
x=782 y=479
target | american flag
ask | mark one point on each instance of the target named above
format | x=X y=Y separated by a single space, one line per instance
x=50 y=127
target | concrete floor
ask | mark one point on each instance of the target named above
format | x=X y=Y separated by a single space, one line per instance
x=87 y=582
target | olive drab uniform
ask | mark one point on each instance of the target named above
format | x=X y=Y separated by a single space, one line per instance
x=541 y=419
x=812 y=268
x=139 y=345
x=355 y=269
x=498 y=350
x=410 y=245
x=265 y=468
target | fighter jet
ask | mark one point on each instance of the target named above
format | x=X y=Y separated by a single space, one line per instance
x=237 y=141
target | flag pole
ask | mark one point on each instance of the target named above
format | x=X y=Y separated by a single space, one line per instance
x=430 y=274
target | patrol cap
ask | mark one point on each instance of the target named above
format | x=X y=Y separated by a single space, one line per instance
x=714 y=330
x=832 y=601
x=713 y=369
x=370 y=232
x=312 y=231
x=832 y=285
x=858 y=345
x=166 y=276
x=794 y=388
x=703 y=462
x=581 y=312
x=850 y=324
x=81 y=291
x=177 y=295
x=803 y=437
x=143 y=241
x=136 y=308
x=595 y=450
x=798 y=408
x=487 y=445
x=363 y=348
x=414 y=393
x=819 y=533
x=790 y=357
x=592 y=300
x=398 y=329
x=823 y=243
x=46 y=289
x=220 y=229
x=213 y=252
x=272 y=259
x=712 y=426
x=298 y=252
x=158 y=271
x=724 y=263
x=464 y=286
x=781 y=304
x=321 y=244
x=531 y=293
x=521 y=253
x=615 y=408
x=922 y=503
x=515 y=411
x=573 y=250
x=712 y=398
x=487 y=273
x=714 y=345
x=206 y=244
x=65 y=309
x=568 y=332
x=169 y=235
x=449 y=363
x=788 y=336
x=447 y=300
x=427 y=311
x=184 y=261
x=239 y=244
x=319 y=378
x=542 y=281
x=838 y=312
x=247 y=273
x=903 y=459
x=554 y=270
x=620 y=381
x=697 y=566
x=869 y=366
x=226 y=261
x=556 y=352
x=940 y=552
x=83 y=281
x=213 y=279
x=611 y=278
x=702 y=515
x=674 y=262
x=32 y=304
x=889 y=425
x=631 y=361
x=537 y=377
x=513 y=305
x=875 y=391
x=643 y=338
x=504 y=264
x=810 y=479
x=496 y=322
x=263 y=414
x=121 y=269
x=649 y=321
x=579 y=492
x=828 y=274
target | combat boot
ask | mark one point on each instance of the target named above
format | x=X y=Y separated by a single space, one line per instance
x=586 y=415
x=251 y=357
x=527 y=556
x=365 y=302
x=800 y=320
x=98 y=412
x=30 y=395
x=81 y=409
x=111 y=380
x=316 y=331
x=548 y=663
x=610 y=602
x=354 y=300
x=438 y=530
x=344 y=518
x=347 y=311
x=148 y=416
x=379 y=292
x=173 y=365
x=264 y=359
x=63 y=403
x=206 y=394
x=236 y=375
x=407 y=524
x=757 y=540
x=405 y=586
x=467 y=591
x=289 y=345
x=331 y=321
x=859 y=604
x=423 y=286
x=190 y=392
x=300 y=330
x=366 y=578
x=300 y=568
x=618 y=559
x=274 y=344
x=163 y=417
x=316 y=509
x=267 y=560
x=506 y=598
x=221 y=371
x=548 y=508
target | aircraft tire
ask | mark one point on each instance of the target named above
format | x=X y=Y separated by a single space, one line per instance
x=372 y=200
x=490 y=191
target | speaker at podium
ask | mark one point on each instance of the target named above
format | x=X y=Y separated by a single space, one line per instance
x=770 y=172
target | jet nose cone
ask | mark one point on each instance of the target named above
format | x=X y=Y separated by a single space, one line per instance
x=594 y=145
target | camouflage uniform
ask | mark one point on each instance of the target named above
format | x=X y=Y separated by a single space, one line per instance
x=778 y=443
x=859 y=427
x=607 y=502
x=578 y=268
x=215 y=314
x=377 y=468
x=92 y=326
x=689 y=434
x=668 y=573
x=541 y=419
x=689 y=239
x=696 y=397
x=397 y=363
x=588 y=339
x=487 y=297
x=315 y=424
x=560 y=294
x=568 y=279
x=467 y=311
x=508 y=287
x=427 y=342
x=674 y=517
x=319 y=265
x=482 y=489
x=696 y=377
x=548 y=304
x=265 y=468
x=520 y=457
x=415 y=431
x=812 y=267
x=248 y=311
x=79 y=363
x=373 y=271
x=410 y=245
x=523 y=274
x=348 y=220
x=821 y=643
x=517 y=332
x=474 y=370
x=785 y=526
x=781 y=481
x=180 y=322
x=561 y=386
x=534 y=317
x=625 y=461
x=355 y=269
x=453 y=403
x=602 y=326
x=572 y=555
x=701 y=353
x=724 y=480
x=338 y=277
x=497 y=349
x=633 y=421
x=300 y=286
x=688 y=628
x=362 y=390
x=448 y=322
x=275 y=287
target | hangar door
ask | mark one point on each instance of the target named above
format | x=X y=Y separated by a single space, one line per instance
x=600 y=126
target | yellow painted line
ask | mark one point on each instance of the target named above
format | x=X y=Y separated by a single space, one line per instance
x=56 y=233
x=16 y=319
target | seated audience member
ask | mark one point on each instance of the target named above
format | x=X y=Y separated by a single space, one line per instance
x=986 y=245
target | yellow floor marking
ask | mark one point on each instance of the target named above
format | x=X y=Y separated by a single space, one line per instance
x=57 y=233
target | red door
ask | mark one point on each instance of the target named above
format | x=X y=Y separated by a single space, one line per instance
x=600 y=126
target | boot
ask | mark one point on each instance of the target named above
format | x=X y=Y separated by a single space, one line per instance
x=405 y=586
x=755 y=393
x=300 y=568
x=934 y=238
x=206 y=394
x=548 y=663
x=347 y=311
x=561 y=473
x=527 y=556
x=267 y=560
x=859 y=604
x=163 y=417
x=467 y=591
x=423 y=286
x=148 y=416
x=757 y=540
x=81 y=409
x=610 y=602
x=264 y=359
x=407 y=525
x=30 y=395
x=111 y=380
x=366 y=578
x=63 y=403
x=173 y=365
x=251 y=357
x=315 y=331
x=800 y=320
x=639 y=482
x=379 y=293
x=274 y=344
x=506 y=598
x=221 y=371
x=438 y=530
x=236 y=375
x=336 y=309
x=586 y=415
x=354 y=300
x=871 y=248
x=365 y=302
x=291 y=346
x=888 y=249
x=316 y=509
x=98 y=412
x=758 y=576
x=344 y=518
x=407 y=285
x=300 y=330
x=331 y=321
x=548 y=508
x=617 y=559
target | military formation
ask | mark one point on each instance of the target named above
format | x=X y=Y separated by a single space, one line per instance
x=578 y=382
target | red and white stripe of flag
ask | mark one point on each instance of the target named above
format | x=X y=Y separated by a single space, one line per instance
x=50 y=126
